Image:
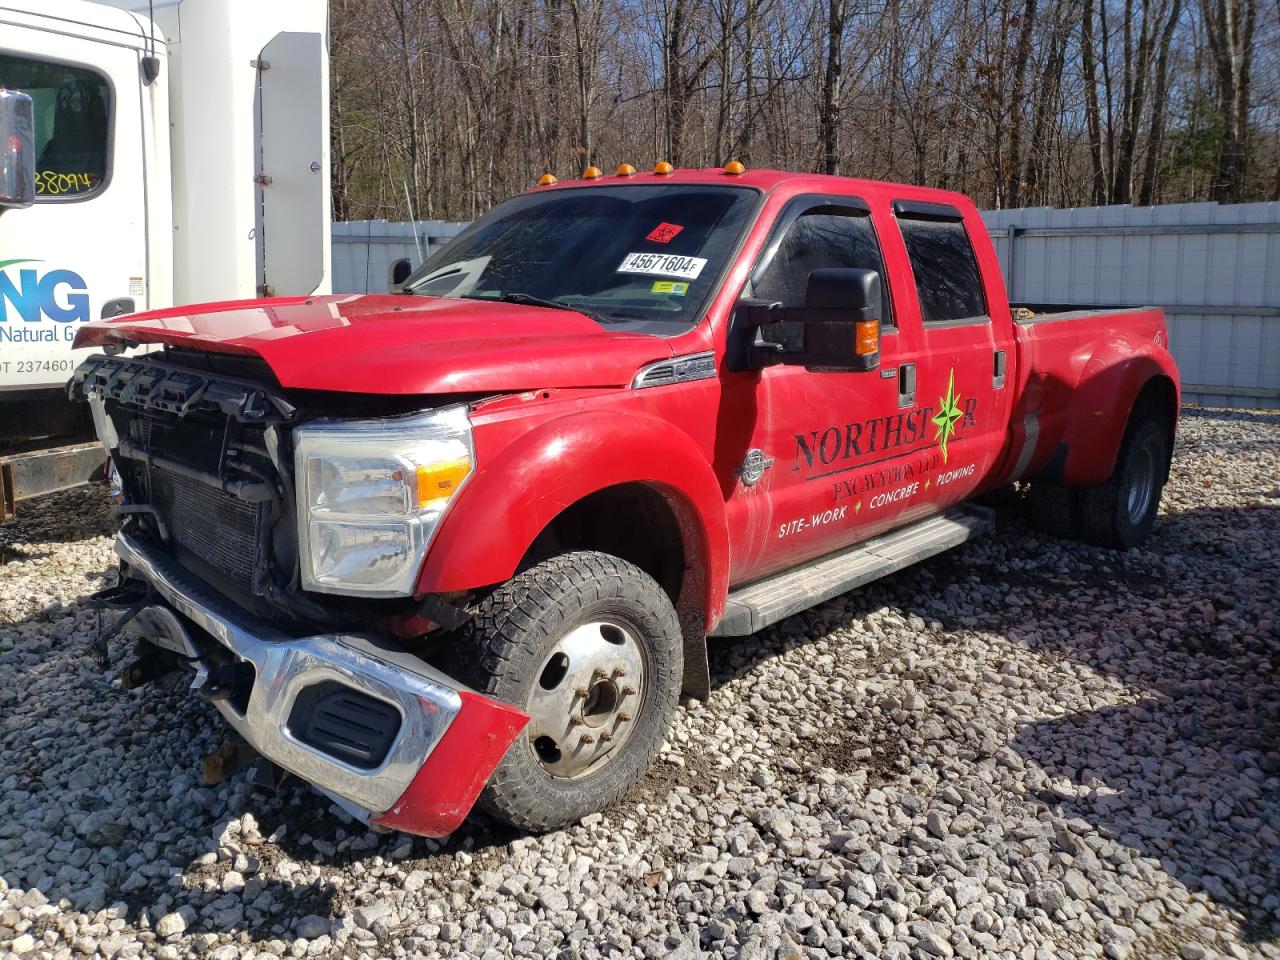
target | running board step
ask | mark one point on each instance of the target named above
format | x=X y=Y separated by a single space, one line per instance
x=759 y=604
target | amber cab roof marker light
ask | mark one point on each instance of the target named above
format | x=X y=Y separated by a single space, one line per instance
x=592 y=173
x=625 y=170
x=548 y=179
x=734 y=169
x=662 y=168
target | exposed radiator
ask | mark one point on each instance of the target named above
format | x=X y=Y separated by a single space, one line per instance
x=219 y=529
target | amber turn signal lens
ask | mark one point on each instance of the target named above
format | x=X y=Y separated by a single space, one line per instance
x=734 y=168
x=440 y=480
x=662 y=168
x=547 y=179
x=592 y=173
x=625 y=170
x=867 y=337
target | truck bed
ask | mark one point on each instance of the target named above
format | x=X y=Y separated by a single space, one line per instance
x=1073 y=362
x=1029 y=313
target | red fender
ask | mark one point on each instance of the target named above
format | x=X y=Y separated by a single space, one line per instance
x=512 y=498
x=1103 y=398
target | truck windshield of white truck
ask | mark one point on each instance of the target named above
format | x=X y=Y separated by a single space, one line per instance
x=635 y=255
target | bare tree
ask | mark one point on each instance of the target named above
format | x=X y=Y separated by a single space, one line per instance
x=442 y=107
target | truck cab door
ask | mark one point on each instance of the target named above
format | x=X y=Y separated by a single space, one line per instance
x=963 y=367
x=830 y=452
x=83 y=244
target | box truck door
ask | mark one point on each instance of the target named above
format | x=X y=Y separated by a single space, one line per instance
x=83 y=244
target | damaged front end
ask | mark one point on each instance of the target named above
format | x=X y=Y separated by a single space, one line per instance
x=216 y=571
x=204 y=470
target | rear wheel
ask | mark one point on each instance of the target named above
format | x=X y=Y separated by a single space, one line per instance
x=1121 y=511
x=590 y=647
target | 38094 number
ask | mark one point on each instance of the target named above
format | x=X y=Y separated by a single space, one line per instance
x=54 y=184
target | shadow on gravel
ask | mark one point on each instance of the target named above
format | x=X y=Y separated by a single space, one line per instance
x=1186 y=776
x=65 y=517
x=1185 y=795
x=1189 y=775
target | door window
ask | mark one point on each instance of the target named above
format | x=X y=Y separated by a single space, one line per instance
x=72 y=107
x=945 y=269
x=824 y=236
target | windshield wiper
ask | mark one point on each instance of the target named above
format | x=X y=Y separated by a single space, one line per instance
x=528 y=300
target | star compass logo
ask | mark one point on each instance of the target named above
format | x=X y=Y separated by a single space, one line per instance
x=949 y=412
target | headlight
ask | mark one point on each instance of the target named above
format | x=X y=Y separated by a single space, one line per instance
x=370 y=495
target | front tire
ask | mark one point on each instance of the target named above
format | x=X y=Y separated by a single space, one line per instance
x=590 y=647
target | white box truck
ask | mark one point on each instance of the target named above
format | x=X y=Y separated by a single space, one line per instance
x=179 y=153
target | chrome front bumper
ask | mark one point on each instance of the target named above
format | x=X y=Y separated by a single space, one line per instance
x=427 y=700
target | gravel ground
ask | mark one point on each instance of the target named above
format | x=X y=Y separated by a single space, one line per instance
x=1024 y=748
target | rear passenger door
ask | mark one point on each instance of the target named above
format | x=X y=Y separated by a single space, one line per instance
x=962 y=378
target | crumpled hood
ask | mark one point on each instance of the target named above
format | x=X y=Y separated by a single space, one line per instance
x=395 y=344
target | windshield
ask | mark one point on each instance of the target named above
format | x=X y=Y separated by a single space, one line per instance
x=620 y=254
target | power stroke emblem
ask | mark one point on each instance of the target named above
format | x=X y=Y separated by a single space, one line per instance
x=754 y=466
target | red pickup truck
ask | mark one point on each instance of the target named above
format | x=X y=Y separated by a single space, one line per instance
x=467 y=539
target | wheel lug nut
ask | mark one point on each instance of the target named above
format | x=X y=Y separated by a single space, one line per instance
x=624 y=717
x=575 y=721
x=619 y=672
x=606 y=737
x=628 y=690
x=582 y=692
x=598 y=672
x=588 y=738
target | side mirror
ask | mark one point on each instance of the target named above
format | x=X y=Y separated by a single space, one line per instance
x=398 y=273
x=17 y=150
x=838 y=328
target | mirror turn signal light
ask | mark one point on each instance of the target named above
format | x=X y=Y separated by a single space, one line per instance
x=734 y=168
x=662 y=168
x=625 y=170
x=548 y=179
x=592 y=173
x=866 y=337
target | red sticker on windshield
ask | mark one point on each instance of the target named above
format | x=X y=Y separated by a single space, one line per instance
x=664 y=232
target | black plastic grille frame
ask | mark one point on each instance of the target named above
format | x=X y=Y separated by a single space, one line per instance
x=345 y=723
x=217 y=528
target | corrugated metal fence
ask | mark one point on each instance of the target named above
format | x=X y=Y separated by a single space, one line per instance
x=363 y=250
x=1215 y=270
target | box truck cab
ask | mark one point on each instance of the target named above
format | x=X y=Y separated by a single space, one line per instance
x=178 y=159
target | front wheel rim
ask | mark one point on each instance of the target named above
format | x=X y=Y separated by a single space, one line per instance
x=586 y=698
x=1142 y=482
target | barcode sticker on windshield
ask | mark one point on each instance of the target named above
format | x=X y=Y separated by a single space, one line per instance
x=663 y=265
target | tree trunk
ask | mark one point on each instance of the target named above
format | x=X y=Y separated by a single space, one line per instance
x=1013 y=166
x=829 y=121
x=1135 y=103
x=1229 y=26
x=1159 y=105
x=1092 y=113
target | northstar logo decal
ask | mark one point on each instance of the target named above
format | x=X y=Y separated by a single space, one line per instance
x=948 y=413
x=841 y=446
